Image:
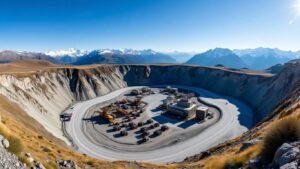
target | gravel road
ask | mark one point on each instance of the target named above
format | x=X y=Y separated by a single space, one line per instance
x=226 y=128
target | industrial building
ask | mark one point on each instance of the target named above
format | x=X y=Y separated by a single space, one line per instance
x=183 y=108
x=201 y=112
x=169 y=101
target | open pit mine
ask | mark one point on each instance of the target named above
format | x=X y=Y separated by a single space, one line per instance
x=143 y=113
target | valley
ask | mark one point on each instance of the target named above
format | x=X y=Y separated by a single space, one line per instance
x=44 y=90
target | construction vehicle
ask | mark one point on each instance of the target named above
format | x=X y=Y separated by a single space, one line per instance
x=106 y=114
x=66 y=116
x=136 y=102
x=122 y=112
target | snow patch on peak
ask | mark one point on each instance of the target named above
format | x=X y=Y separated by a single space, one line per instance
x=77 y=52
x=69 y=52
x=127 y=51
x=106 y=51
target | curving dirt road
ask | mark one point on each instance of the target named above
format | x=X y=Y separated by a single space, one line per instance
x=226 y=128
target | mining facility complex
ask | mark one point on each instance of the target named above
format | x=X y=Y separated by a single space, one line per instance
x=126 y=119
x=139 y=122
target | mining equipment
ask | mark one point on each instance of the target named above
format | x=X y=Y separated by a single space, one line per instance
x=106 y=114
x=122 y=112
x=66 y=116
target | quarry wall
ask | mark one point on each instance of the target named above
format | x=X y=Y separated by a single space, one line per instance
x=44 y=95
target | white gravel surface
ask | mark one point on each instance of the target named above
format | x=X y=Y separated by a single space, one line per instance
x=226 y=128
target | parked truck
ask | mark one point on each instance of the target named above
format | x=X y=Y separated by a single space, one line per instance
x=122 y=112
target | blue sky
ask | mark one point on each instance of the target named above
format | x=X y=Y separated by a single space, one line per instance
x=164 y=25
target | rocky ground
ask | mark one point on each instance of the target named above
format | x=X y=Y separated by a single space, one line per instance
x=11 y=161
x=8 y=160
x=287 y=156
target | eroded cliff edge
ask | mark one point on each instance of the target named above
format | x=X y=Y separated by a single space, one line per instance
x=45 y=92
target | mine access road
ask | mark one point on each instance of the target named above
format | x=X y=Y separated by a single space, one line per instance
x=227 y=127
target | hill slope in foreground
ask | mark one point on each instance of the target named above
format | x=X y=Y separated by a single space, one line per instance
x=34 y=93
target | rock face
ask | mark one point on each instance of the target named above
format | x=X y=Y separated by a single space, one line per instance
x=3 y=142
x=45 y=94
x=286 y=156
x=261 y=92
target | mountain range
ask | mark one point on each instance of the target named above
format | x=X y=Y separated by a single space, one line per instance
x=112 y=56
x=262 y=58
x=259 y=58
x=218 y=56
x=9 y=56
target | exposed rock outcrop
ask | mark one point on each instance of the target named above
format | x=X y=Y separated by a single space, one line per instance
x=287 y=156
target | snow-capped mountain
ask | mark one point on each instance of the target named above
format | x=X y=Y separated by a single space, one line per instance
x=9 y=56
x=263 y=58
x=259 y=58
x=127 y=51
x=218 y=56
x=259 y=52
x=69 y=52
x=113 y=56
x=78 y=52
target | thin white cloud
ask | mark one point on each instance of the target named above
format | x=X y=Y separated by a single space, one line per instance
x=294 y=19
x=296 y=8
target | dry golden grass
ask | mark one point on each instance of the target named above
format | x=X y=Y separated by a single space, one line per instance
x=4 y=131
x=281 y=131
x=15 y=144
x=233 y=160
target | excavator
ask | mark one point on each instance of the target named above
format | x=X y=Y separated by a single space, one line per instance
x=106 y=114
